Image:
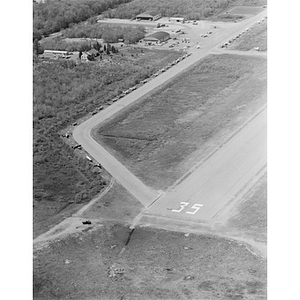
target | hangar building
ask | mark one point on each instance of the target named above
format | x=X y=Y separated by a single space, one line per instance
x=157 y=37
x=148 y=16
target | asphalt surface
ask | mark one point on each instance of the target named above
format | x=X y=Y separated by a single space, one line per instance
x=225 y=171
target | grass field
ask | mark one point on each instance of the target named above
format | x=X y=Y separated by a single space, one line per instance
x=116 y=205
x=250 y=217
x=162 y=137
x=255 y=37
x=245 y=10
x=157 y=264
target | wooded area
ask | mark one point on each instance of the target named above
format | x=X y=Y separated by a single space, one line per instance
x=62 y=93
x=190 y=9
x=109 y=33
x=52 y=16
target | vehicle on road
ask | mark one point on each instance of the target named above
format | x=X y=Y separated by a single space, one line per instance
x=133 y=88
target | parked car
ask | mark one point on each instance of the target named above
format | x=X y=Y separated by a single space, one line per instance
x=87 y=222
x=77 y=147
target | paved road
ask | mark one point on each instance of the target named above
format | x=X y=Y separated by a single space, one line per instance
x=220 y=178
x=82 y=133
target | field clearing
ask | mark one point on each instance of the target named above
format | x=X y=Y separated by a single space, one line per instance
x=162 y=137
x=250 y=217
x=157 y=264
x=255 y=37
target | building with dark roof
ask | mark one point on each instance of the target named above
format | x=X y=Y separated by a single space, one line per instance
x=93 y=52
x=157 y=37
x=148 y=16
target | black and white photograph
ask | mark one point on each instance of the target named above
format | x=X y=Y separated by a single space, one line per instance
x=149 y=149
x=148 y=162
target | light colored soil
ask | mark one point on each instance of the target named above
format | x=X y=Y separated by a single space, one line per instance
x=161 y=138
x=157 y=265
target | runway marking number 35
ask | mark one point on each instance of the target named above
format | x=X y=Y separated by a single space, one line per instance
x=183 y=205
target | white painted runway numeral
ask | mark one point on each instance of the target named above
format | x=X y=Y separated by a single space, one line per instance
x=196 y=207
x=182 y=206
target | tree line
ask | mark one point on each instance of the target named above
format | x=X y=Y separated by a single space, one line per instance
x=109 y=33
x=89 y=36
x=190 y=9
x=52 y=16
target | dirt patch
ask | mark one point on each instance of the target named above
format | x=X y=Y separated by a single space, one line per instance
x=156 y=264
x=161 y=138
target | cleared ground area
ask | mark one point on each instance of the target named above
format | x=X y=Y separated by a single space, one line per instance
x=156 y=264
x=162 y=137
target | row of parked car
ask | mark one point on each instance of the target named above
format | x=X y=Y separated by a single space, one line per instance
x=173 y=63
x=78 y=146
x=126 y=92
x=225 y=45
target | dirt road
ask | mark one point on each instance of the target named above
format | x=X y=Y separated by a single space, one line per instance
x=82 y=133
